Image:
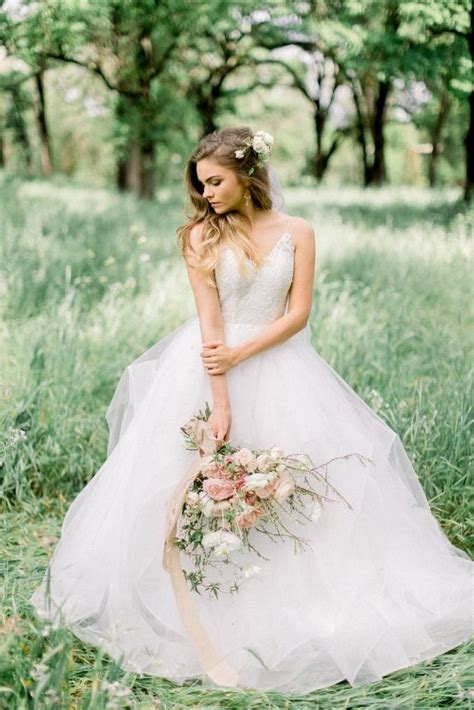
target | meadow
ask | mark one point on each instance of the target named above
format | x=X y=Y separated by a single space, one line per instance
x=91 y=278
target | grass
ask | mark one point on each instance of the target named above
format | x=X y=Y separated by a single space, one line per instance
x=91 y=279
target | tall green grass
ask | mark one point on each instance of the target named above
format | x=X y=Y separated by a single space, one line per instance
x=91 y=279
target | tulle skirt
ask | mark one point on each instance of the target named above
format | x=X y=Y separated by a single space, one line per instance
x=379 y=589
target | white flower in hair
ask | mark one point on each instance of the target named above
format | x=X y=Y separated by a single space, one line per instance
x=261 y=143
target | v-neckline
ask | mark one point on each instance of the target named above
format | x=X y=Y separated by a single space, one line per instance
x=267 y=256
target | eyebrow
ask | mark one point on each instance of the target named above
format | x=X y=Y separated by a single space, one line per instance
x=210 y=178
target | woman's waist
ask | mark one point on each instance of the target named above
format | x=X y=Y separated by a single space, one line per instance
x=238 y=331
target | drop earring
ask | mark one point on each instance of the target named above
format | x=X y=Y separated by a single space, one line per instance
x=247 y=198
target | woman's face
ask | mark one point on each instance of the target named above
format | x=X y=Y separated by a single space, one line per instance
x=220 y=186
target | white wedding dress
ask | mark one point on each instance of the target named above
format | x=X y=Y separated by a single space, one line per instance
x=380 y=589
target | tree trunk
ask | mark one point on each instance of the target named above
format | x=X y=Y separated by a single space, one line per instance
x=360 y=130
x=320 y=163
x=40 y=112
x=469 y=145
x=20 y=130
x=437 y=134
x=378 y=172
x=147 y=169
x=208 y=119
x=469 y=139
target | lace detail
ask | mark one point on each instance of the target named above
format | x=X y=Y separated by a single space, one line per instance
x=261 y=296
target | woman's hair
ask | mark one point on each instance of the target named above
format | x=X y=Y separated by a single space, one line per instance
x=233 y=227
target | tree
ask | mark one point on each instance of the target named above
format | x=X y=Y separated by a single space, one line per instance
x=446 y=29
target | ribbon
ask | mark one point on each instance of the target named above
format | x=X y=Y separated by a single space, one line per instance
x=212 y=662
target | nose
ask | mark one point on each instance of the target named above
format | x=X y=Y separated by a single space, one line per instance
x=207 y=193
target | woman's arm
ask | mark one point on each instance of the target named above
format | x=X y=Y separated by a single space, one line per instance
x=211 y=325
x=299 y=308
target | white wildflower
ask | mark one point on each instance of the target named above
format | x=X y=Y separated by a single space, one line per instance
x=250 y=571
x=39 y=672
x=316 y=511
x=222 y=542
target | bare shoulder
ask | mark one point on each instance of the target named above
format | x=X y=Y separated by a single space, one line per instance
x=302 y=233
x=196 y=236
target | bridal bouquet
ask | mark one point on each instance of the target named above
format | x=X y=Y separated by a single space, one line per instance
x=238 y=492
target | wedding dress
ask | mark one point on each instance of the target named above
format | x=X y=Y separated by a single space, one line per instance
x=380 y=589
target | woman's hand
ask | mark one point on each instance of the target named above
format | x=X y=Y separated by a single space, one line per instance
x=219 y=421
x=217 y=358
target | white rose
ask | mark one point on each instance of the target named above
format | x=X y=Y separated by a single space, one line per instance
x=258 y=144
x=267 y=137
x=284 y=487
x=257 y=481
x=244 y=457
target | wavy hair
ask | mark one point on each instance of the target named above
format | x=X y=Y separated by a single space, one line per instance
x=232 y=228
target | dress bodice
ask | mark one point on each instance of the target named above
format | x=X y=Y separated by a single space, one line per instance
x=261 y=296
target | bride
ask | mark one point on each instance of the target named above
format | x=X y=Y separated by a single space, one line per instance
x=381 y=587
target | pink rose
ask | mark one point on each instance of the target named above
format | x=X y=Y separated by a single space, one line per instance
x=267 y=491
x=249 y=517
x=240 y=483
x=215 y=471
x=218 y=488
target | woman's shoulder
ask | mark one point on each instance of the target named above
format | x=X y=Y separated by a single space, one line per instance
x=196 y=233
x=301 y=230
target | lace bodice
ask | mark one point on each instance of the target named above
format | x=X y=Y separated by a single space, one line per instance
x=260 y=297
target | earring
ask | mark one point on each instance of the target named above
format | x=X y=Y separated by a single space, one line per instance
x=247 y=198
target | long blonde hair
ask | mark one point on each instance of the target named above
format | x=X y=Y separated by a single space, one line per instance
x=232 y=228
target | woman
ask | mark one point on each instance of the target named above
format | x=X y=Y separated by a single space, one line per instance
x=381 y=587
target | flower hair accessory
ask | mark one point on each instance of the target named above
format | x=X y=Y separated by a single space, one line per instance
x=261 y=144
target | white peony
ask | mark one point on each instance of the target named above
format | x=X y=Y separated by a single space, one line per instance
x=222 y=542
